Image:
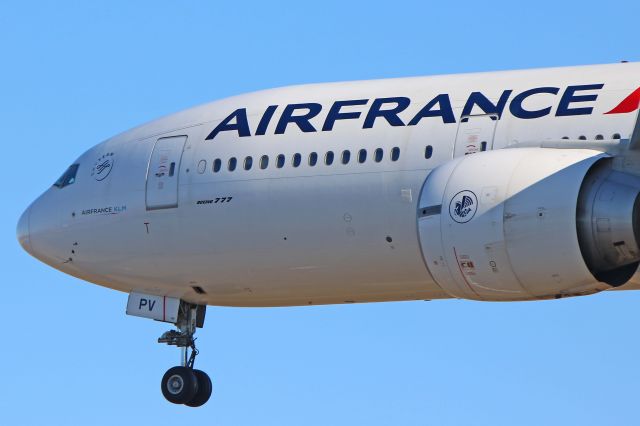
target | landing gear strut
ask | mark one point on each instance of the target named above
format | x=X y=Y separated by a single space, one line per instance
x=184 y=384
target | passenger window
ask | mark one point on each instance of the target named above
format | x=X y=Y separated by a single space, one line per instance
x=395 y=154
x=296 y=160
x=582 y=137
x=232 y=163
x=280 y=161
x=313 y=159
x=328 y=158
x=264 y=162
x=217 y=163
x=428 y=152
x=362 y=156
x=68 y=177
x=346 y=156
x=616 y=136
x=248 y=162
x=378 y=155
x=599 y=137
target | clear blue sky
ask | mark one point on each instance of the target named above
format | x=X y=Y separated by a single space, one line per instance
x=73 y=73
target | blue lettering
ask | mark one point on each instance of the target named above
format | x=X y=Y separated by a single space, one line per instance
x=477 y=98
x=335 y=114
x=518 y=110
x=264 y=121
x=302 y=121
x=390 y=108
x=241 y=124
x=570 y=97
x=445 y=111
x=391 y=115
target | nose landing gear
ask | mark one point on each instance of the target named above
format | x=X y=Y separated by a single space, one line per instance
x=179 y=385
x=184 y=384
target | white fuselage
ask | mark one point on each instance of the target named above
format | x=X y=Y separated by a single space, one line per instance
x=311 y=234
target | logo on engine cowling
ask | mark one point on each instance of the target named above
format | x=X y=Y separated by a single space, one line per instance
x=463 y=206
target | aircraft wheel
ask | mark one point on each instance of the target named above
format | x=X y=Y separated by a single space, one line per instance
x=179 y=385
x=204 y=389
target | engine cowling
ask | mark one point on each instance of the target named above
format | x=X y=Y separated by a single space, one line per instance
x=529 y=223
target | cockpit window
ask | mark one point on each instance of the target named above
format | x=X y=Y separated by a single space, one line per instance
x=67 y=177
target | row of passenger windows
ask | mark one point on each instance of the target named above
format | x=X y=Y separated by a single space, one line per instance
x=312 y=159
x=330 y=157
x=598 y=137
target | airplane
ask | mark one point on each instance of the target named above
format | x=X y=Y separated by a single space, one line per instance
x=498 y=186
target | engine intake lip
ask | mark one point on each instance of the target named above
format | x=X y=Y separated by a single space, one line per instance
x=608 y=223
x=636 y=219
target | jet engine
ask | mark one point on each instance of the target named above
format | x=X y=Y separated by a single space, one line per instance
x=529 y=223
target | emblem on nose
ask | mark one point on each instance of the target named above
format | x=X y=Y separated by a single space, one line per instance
x=103 y=166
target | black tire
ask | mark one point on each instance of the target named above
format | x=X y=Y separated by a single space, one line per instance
x=179 y=385
x=204 y=389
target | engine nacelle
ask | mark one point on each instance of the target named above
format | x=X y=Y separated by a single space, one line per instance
x=529 y=223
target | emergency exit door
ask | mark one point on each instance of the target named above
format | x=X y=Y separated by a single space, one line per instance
x=163 y=173
x=475 y=134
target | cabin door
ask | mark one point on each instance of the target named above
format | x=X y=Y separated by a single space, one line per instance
x=163 y=173
x=475 y=134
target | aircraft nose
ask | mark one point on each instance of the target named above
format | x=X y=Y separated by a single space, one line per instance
x=22 y=231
